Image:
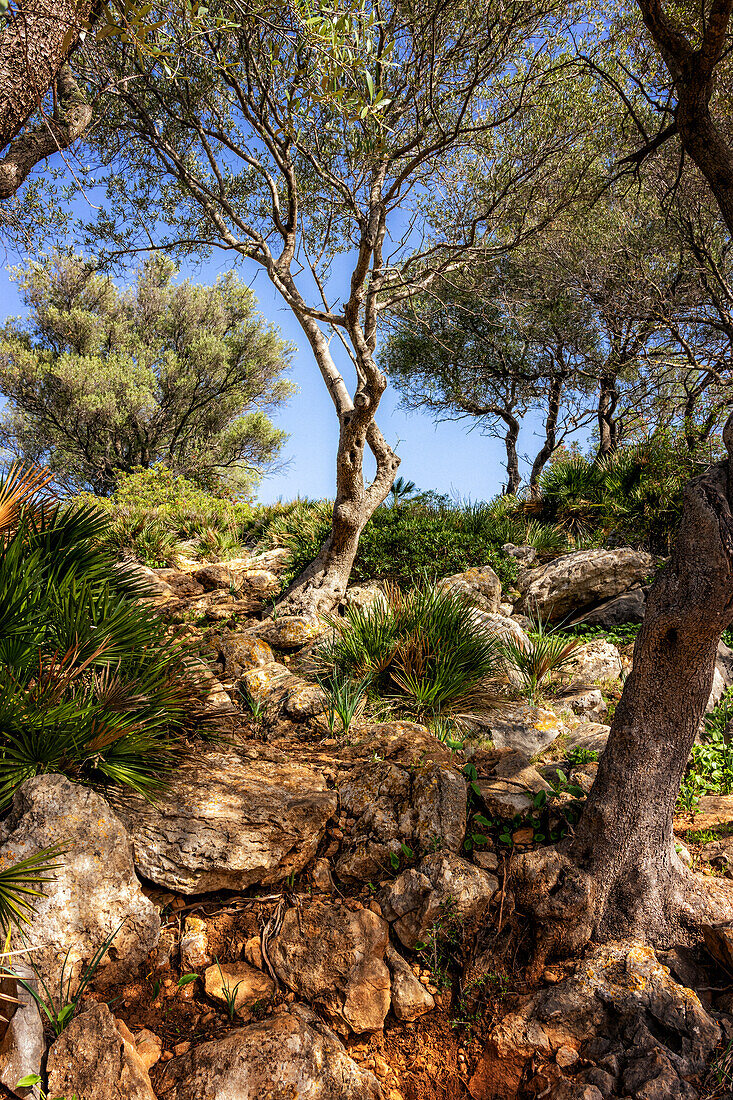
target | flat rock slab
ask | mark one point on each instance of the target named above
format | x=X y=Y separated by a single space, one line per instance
x=293 y=1055
x=226 y=822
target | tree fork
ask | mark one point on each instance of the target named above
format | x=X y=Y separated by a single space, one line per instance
x=618 y=875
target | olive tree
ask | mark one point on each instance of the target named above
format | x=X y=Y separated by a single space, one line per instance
x=234 y=152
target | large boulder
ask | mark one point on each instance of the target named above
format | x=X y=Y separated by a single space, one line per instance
x=291 y=1055
x=225 y=822
x=582 y=579
x=333 y=957
x=423 y=900
x=480 y=586
x=290 y=631
x=95 y=1058
x=390 y=805
x=94 y=892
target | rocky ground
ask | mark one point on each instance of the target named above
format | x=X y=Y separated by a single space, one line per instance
x=299 y=915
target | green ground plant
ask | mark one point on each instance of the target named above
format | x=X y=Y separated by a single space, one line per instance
x=710 y=767
x=345 y=699
x=91 y=683
x=422 y=650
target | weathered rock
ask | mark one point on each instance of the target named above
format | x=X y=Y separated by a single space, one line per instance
x=585 y=735
x=524 y=728
x=195 y=954
x=258 y=583
x=211 y=577
x=291 y=1055
x=598 y=659
x=502 y=626
x=410 y=998
x=183 y=584
x=507 y=783
x=480 y=586
x=588 y=704
x=405 y=743
x=719 y=851
x=442 y=888
x=394 y=805
x=290 y=631
x=225 y=822
x=94 y=1059
x=620 y=1007
x=713 y=810
x=629 y=607
x=23 y=1046
x=149 y=1047
x=241 y=981
x=217 y=700
x=333 y=957
x=94 y=892
x=241 y=652
x=527 y=555
x=581 y=579
x=151 y=585
x=274 y=560
x=361 y=596
x=281 y=692
x=719 y=942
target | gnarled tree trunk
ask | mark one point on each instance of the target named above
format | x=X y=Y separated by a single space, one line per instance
x=618 y=875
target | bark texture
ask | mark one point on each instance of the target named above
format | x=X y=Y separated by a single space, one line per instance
x=618 y=876
x=55 y=133
x=34 y=44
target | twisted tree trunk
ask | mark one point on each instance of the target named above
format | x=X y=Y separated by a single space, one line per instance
x=619 y=875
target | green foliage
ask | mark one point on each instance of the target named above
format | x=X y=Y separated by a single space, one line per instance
x=59 y=1008
x=91 y=683
x=345 y=699
x=710 y=767
x=22 y=882
x=100 y=381
x=423 y=649
x=548 y=651
x=635 y=494
x=579 y=755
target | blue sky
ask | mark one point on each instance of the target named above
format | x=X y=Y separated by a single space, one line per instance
x=446 y=457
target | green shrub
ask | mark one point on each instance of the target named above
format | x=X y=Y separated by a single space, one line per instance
x=547 y=651
x=710 y=767
x=91 y=683
x=422 y=649
x=633 y=495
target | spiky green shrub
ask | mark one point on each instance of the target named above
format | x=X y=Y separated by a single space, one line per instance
x=424 y=650
x=546 y=651
x=91 y=683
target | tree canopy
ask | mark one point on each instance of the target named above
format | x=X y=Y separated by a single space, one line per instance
x=100 y=381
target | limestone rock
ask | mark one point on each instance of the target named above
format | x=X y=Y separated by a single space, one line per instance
x=214 y=576
x=480 y=586
x=417 y=898
x=719 y=942
x=629 y=607
x=291 y=1055
x=94 y=891
x=183 y=584
x=621 y=1009
x=585 y=735
x=588 y=704
x=394 y=805
x=241 y=652
x=719 y=851
x=527 y=555
x=280 y=692
x=333 y=957
x=151 y=584
x=713 y=810
x=524 y=728
x=722 y=676
x=361 y=596
x=94 y=1059
x=410 y=998
x=274 y=560
x=241 y=981
x=23 y=1046
x=581 y=579
x=507 y=782
x=149 y=1047
x=291 y=631
x=258 y=583
x=598 y=659
x=225 y=822
x=194 y=945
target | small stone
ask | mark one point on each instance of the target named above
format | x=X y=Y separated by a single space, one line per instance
x=240 y=980
x=321 y=875
x=195 y=945
x=566 y=1057
x=487 y=861
x=253 y=952
x=525 y=835
x=149 y=1047
x=181 y=1048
